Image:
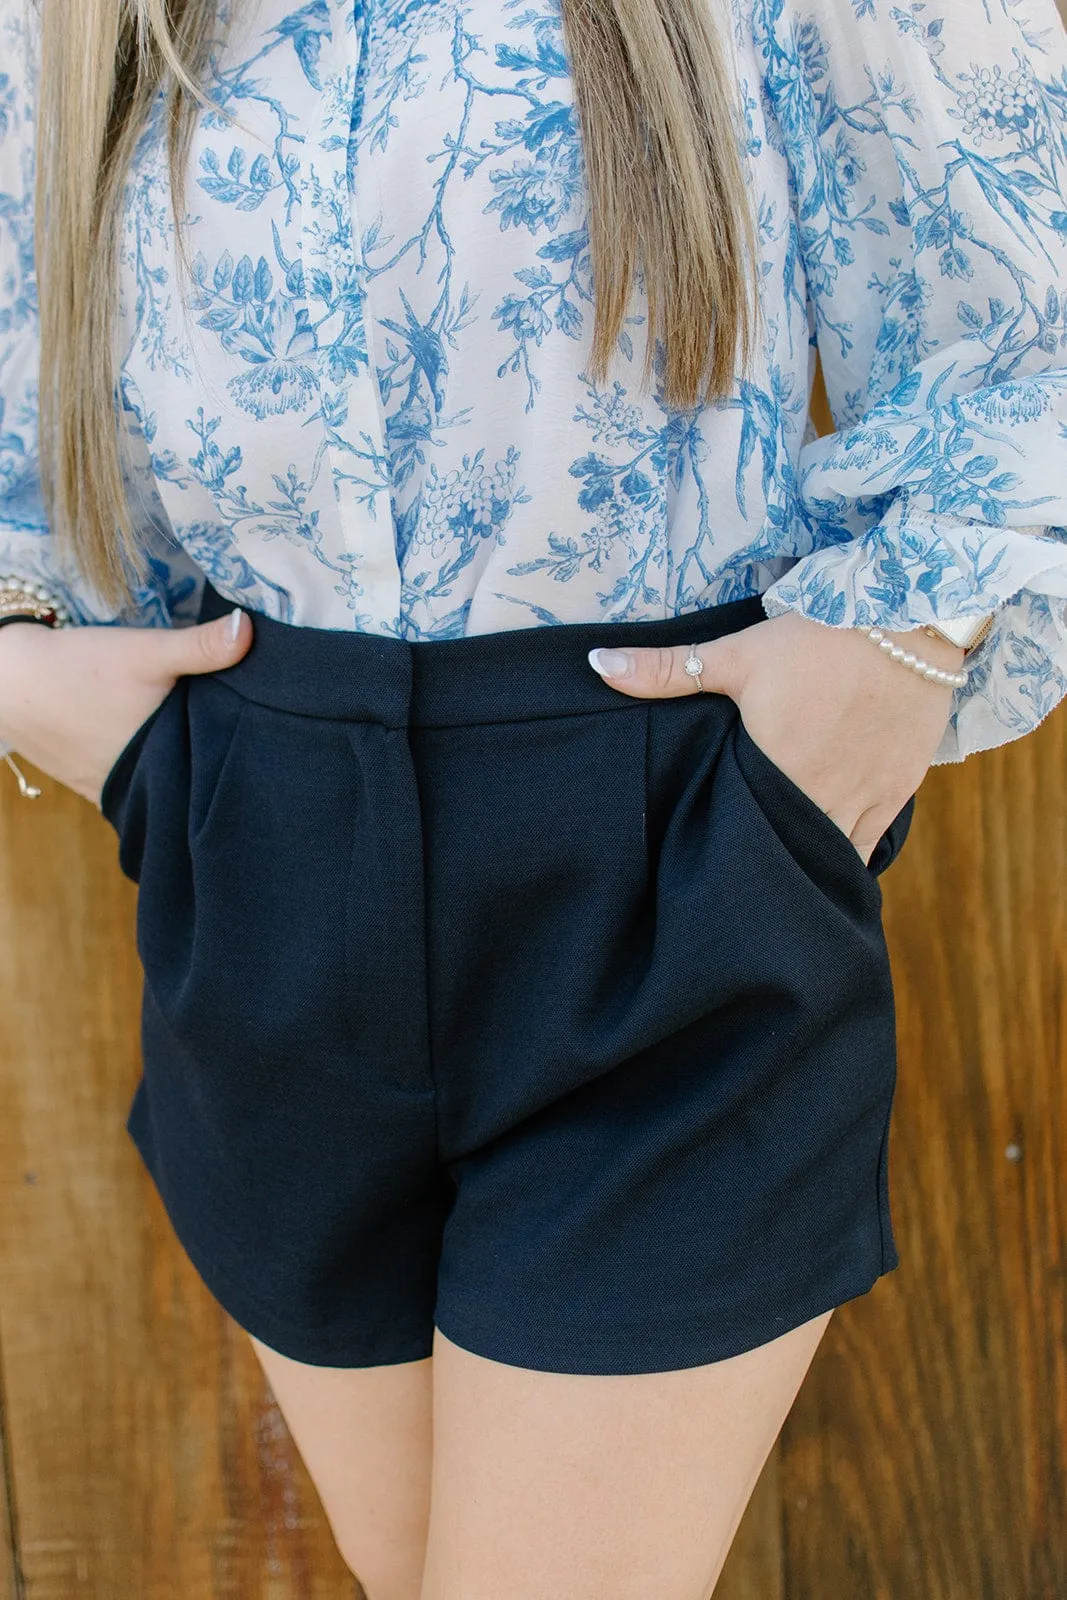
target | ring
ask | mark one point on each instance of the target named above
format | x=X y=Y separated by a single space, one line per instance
x=694 y=666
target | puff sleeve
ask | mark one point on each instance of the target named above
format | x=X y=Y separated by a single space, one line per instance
x=927 y=160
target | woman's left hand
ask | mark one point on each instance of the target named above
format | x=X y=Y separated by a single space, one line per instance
x=852 y=728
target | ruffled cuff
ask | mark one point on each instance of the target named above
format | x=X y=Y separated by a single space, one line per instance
x=916 y=567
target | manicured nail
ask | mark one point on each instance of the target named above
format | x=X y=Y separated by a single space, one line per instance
x=611 y=663
x=235 y=623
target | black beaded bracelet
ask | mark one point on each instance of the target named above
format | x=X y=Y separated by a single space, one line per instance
x=26 y=616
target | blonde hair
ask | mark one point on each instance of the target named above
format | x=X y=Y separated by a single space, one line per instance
x=666 y=198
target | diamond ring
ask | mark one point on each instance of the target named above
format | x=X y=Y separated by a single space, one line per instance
x=694 y=666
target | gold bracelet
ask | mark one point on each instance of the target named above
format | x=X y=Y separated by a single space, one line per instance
x=27 y=790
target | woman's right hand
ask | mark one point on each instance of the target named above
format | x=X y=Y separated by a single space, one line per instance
x=72 y=698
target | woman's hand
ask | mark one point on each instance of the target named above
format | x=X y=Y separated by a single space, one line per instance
x=852 y=728
x=72 y=698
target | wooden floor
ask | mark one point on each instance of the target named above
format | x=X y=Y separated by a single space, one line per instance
x=925 y=1459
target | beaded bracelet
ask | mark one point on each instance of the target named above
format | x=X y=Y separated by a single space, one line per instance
x=908 y=658
x=22 y=600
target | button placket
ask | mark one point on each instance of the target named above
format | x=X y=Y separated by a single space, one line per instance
x=335 y=291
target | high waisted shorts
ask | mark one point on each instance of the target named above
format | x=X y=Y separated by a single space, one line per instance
x=481 y=995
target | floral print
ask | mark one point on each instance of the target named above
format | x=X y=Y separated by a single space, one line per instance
x=362 y=402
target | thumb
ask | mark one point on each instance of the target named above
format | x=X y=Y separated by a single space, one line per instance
x=659 y=673
x=209 y=646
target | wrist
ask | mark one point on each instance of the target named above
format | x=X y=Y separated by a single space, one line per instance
x=14 y=637
x=20 y=665
x=25 y=604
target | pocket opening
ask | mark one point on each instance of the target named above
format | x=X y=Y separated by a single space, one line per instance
x=809 y=833
x=122 y=768
x=888 y=846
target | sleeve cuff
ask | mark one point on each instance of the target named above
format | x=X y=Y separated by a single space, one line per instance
x=915 y=567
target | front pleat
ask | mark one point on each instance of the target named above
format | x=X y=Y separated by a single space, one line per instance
x=384 y=932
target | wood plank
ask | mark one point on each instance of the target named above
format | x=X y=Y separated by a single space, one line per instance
x=926 y=1452
x=755 y=1567
x=148 y=1456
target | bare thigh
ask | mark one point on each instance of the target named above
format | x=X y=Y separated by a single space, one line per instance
x=583 y=1487
x=366 y=1437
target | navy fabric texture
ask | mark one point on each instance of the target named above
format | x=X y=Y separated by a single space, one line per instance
x=479 y=994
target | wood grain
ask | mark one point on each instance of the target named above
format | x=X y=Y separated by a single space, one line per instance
x=147 y=1458
x=930 y=1436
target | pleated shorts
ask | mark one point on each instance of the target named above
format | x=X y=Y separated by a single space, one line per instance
x=478 y=994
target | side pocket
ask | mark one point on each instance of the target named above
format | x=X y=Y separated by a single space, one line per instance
x=890 y=844
x=160 y=792
x=799 y=819
x=117 y=783
x=810 y=835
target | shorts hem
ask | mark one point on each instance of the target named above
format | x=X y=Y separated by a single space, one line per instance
x=699 y=1346
x=313 y=1346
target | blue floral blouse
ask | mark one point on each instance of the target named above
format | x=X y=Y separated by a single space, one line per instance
x=366 y=406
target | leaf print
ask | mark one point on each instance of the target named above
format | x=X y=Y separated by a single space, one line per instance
x=365 y=403
x=234 y=189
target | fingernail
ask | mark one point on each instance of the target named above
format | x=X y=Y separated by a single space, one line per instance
x=235 y=623
x=611 y=663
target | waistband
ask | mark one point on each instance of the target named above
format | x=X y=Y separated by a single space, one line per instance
x=513 y=675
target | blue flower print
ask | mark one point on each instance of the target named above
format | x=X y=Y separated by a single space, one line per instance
x=354 y=382
x=531 y=195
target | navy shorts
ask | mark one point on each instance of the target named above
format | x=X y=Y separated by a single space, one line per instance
x=479 y=994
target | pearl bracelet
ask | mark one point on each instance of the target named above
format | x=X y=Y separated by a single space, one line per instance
x=22 y=599
x=907 y=658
